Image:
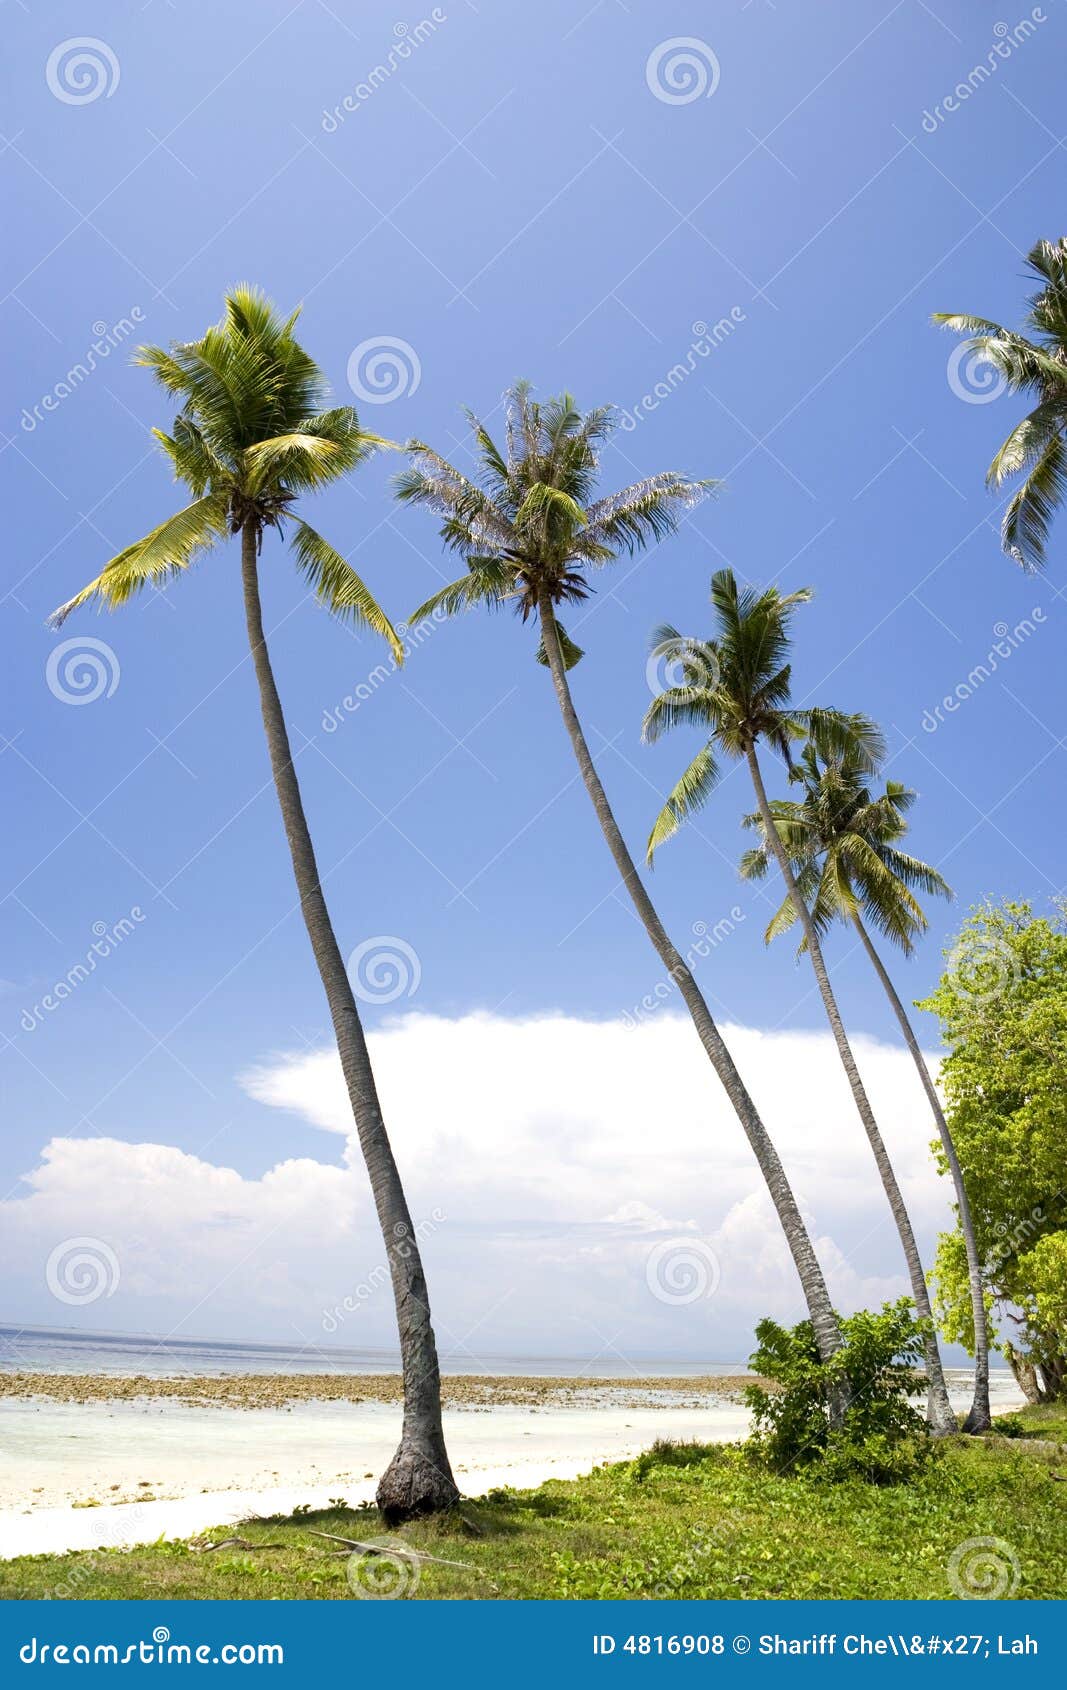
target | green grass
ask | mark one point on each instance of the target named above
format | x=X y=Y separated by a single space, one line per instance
x=688 y=1521
x=1045 y=1420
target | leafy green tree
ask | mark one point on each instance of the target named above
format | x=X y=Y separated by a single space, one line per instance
x=880 y=1439
x=736 y=688
x=1002 y=1004
x=529 y=531
x=844 y=843
x=251 y=437
x=1033 y=363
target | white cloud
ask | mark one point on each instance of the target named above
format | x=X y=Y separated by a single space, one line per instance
x=544 y=1158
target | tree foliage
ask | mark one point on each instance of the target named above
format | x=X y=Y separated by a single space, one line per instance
x=1002 y=1003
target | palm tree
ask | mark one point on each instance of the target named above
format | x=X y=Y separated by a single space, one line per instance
x=738 y=685
x=529 y=532
x=844 y=844
x=250 y=438
x=1036 y=448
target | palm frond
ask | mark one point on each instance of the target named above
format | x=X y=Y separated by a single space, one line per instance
x=689 y=793
x=488 y=581
x=339 y=588
x=165 y=551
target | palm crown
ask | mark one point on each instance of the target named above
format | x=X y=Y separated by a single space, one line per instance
x=525 y=524
x=738 y=685
x=1036 y=366
x=252 y=436
x=844 y=843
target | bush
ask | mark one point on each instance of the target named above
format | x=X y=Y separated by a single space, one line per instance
x=1011 y=1426
x=882 y=1436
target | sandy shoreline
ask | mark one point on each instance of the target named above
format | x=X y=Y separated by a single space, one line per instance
x=95 y=1461
x=275 y=1390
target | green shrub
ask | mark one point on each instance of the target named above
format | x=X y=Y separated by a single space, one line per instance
x=1011 y=1426
x=882 y=1436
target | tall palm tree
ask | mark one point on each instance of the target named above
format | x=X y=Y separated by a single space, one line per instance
x=1034 y=363
x=250 y=438
x=843 y=841
x=529 y=531
x=738 y=686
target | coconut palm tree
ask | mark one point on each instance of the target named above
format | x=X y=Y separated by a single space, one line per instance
x=737 y=684
x=529 y=531
x=843 y=842
x=1034 y=363
x=251 y=437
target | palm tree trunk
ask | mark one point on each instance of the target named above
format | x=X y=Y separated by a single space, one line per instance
x=980 y=1417
x=939 y=1409
x=419 y=1478
x=820 y=1309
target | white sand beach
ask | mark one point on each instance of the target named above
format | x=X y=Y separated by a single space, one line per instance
x=83 y=1475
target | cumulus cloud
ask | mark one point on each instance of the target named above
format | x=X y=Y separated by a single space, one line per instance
x=572 y=1180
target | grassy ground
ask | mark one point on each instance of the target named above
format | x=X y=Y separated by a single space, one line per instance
x=683 y=1520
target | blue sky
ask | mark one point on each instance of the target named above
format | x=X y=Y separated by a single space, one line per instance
x=511 y=199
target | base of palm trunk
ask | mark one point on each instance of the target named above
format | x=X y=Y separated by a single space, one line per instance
x=979 y=1419
x=415 y=1484
x=940 y=1421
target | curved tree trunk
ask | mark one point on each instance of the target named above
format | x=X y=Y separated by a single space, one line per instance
x=419 y=1478
x=980 y=1417
x=939 y=1409
x=820 y=1309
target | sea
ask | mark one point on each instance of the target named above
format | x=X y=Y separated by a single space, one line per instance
x=45 y=1349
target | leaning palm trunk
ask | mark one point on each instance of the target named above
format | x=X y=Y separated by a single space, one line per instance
x=419 y=1478
x=980 y=1417
x=823 y=1319
x=939 y=1409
